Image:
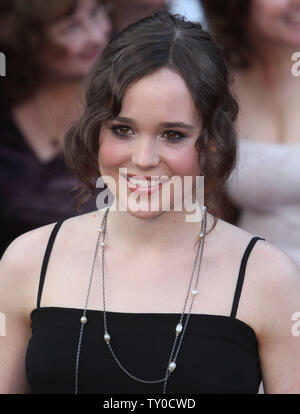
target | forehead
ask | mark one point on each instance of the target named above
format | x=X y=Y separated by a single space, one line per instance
x=161 y=95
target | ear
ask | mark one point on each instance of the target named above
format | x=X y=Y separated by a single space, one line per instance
x=212 y=147
x=210 y=143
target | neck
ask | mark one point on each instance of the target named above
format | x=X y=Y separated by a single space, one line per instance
x=168 y=230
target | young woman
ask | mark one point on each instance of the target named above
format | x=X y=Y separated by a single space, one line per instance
x=259 y=38
x=144 y=301
x=49 y=48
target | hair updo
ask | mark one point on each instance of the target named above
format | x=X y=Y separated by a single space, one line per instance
x=161 y=40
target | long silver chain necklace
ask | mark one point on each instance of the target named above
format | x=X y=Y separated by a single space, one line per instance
x=179 y=327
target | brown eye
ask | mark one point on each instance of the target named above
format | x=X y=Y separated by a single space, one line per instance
x=124 y=130
x=173 y=136
x=121 y=130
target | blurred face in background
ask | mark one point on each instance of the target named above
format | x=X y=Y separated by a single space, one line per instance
x=276 y=21
x=77 y=41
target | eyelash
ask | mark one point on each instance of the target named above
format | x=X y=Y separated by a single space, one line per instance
x=115 y=131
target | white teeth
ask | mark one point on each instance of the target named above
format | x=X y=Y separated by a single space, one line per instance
x=141 y=183
x=153 y=183
x=144 y=183
x=164 y=180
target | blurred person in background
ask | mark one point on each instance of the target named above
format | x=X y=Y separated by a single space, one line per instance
x=259 y=38
x=49 y=48
x=125 y=12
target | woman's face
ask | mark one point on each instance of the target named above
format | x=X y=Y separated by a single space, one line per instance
x=78 y=40
x=153 y=136
x=276 y=21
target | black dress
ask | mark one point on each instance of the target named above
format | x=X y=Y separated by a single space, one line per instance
x=219 y=354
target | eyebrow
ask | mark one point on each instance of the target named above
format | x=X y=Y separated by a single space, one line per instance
x=163 y=124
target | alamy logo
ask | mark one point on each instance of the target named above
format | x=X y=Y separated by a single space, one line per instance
x=2 y=324
x=296 y=326
x=155 y=193
x=2 y=64
x=296 y=66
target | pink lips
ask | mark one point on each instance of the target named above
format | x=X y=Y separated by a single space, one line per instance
x=146 y=190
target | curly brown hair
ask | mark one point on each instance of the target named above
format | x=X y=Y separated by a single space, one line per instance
x=23 y=26
x=158 y=41
x=227 y=22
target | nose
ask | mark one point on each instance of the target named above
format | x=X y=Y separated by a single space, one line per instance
x=145 y=154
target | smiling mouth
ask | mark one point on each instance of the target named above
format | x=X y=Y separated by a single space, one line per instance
x=146 y=181
x=143 y=183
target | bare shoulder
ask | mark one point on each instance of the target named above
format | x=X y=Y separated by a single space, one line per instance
x=277 y=280
x=268 y=261
x=22 y=261
x=273 y=265
x=27 y=245
x=27 y=251
x=272 y=281
x=20 y=266
x=270 y=267
x=232 y=240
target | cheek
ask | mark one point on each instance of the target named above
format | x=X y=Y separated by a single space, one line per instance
x=185 y=163
x=111 y=154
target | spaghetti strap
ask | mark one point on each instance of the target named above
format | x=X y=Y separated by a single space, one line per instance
x=241 y=276
x=46 y=259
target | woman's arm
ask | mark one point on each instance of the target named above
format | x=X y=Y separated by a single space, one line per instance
x=279 y=339
x=15 y=327
x=19 y=278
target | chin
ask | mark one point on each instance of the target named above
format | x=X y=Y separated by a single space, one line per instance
x=141 y=214
x=146 y=215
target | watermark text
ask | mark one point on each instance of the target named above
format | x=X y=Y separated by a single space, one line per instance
x=2 y=324
x=155 y=193
x=296 y=66
x=296 y=326
x=2 y=64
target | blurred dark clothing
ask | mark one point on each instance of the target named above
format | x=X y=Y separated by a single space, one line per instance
x=32 y=193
